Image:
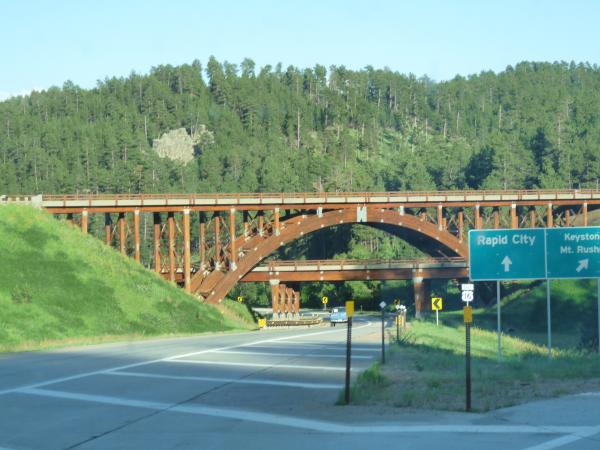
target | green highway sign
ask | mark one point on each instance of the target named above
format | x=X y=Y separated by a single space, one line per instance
x=573 y=252
x=515 y=254
x=534 y=253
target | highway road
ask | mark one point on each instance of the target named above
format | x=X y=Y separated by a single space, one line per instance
x=255 y=390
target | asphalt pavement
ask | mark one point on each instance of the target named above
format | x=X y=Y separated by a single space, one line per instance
x=255 y=390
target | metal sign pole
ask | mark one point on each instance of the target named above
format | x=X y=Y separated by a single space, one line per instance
x=348 y=359
x=382 y=336
x=437 y=318
x=499 y=318
x=549 y=318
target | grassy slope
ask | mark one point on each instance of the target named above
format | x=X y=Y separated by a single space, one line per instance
x=58 y=285
x=427 y=371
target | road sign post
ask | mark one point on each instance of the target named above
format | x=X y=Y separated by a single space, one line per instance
x=468 y=319
x=325 y=299
x=436 y=305
x=498 y=319
x=349 y=315
x=382 y=306
x=549 y=318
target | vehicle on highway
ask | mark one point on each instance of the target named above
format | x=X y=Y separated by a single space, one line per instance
x=338 y=315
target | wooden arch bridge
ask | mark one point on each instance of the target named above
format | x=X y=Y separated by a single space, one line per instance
x=210 y=242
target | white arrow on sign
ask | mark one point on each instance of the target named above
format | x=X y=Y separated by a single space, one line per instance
x=506 y=262
x=583 y=264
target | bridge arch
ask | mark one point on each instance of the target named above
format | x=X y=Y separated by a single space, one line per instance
x=432 y=239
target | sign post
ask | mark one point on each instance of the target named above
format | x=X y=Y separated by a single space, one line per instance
x=499 y=318
x=350 y=315
x=549 y=318
x=397 y=323
x=467 y=297
x=436 y=305
x=325 y=299
x=382 y=306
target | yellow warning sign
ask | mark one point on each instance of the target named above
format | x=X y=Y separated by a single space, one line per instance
x=436 y=303
x=262 y=323
x=240 y=299
x=468 y=310
x=350 y=308
x=325 y=300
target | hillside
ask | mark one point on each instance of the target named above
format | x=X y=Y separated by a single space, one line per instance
x=59 y=286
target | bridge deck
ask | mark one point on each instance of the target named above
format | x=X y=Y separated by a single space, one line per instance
x=108 y=202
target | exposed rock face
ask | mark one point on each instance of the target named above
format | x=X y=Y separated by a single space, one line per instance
x=178 y=145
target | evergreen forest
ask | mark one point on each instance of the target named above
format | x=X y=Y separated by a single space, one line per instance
x=271 y=129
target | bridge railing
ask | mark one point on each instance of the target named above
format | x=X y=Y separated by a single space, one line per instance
x=336 y=197
x=365 y=263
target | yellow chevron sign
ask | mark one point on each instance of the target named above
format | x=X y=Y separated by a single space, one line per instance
x=436 y=304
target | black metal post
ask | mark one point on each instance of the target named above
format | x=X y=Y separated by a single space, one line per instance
x=348 y=359
x=468 y=365
x=382 y=336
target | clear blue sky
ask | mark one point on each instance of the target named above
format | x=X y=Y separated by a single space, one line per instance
x=44 y=43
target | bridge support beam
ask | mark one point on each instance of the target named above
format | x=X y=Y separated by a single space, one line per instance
x=514 y=220
x=217 y=221
x=549 y=219
x=107 y=229
x=232 y=249
x=122 y=240
x=202 y=236
x=171 y=222
x=157 y=236
x=84 y=221
x=420 y=293
x=274 y=296
x=187 y=280
x=136 y=235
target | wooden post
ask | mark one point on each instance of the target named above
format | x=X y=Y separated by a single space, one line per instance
x=202 y=243
x=122 y=238
x=461 y=225
x=84 y=221
x=477 y=217
x=107 y=229
x=261 y=223
x=136 y=234
x=532 y=217
x=274 y=296
x=246 y=224
x=440 y=217
x=233 y=250
x=157 y=235
x=549 y=219
x=277 y=231
x=514 y=220
x=297 y=303
x=568 y=217
x=585 y=214
x=217 y=221
x=496 y=218
x=171 y=221
x=187 y=279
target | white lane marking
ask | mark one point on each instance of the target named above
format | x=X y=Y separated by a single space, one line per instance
x=271 y=366
x=310 y=424
x=300 y=355
x=589 y=394
x=341 y=346
x=564 y=440
x=146 y=363
x=229 y=380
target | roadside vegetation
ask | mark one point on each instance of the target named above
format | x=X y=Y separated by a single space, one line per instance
x=426 y=369
x=58 y=287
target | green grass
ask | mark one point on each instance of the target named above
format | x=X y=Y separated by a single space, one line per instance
x=427 y=370
x=59 y=286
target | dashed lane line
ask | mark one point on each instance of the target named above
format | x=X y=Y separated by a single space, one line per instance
x=229 y=380
x=146 y=363
x=311 y=424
